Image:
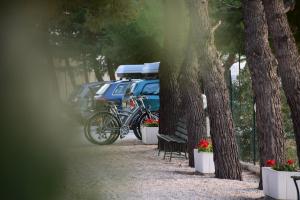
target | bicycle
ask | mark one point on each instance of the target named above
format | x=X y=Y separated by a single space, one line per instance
x=104 y=127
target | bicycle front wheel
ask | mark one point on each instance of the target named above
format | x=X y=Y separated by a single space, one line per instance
x=102 y=128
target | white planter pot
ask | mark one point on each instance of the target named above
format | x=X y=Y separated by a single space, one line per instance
x=149 y=135
x=204 y=162
x=279 y=184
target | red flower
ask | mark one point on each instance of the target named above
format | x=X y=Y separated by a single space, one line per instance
x=290 y=162
x=270 y=163
x=203 y=144
x=151 y=122
x=148 y=121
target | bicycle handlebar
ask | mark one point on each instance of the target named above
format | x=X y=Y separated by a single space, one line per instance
x=139 y=97
x=140 y=100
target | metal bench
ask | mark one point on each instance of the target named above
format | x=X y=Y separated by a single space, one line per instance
x=174 y=143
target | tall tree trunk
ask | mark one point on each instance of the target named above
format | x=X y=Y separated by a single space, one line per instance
x=265 y=84
x=169 y=99
x=288 y=58
x=98 y=73
x=52 y=73
x=228 y=63
x=111 y=70
x=86 y=72
x=86 y=75
x=227 y=165
x=191 y=100
x=70 y=72
x=111 y=73
x=227 y=75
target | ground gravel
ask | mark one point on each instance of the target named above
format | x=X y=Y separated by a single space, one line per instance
x=130 y=170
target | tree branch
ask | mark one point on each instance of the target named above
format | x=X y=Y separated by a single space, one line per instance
x=214 y=28
x=289 y=5
x=212 y=32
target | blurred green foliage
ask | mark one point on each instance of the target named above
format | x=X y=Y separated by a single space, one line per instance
x=242 y=110
x=243 y=116
x=120 y=32
x=229 y=37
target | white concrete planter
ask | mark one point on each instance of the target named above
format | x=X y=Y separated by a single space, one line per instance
x=149 y=135
x=279 y=184
x=204 y=162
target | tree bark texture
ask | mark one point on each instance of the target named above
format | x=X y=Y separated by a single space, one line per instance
x=168 y=72
x=169 y=104
x=70 y=72
x=98 y=73
x=191 y=99
x=227 y=165
x=265 y=83
x=288 y=58
x=86 y=75
x=228 y=63
x=111 y=71
x=86 y=72
x=52 y=74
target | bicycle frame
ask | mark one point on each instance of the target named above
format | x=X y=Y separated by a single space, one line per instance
x=126 y=117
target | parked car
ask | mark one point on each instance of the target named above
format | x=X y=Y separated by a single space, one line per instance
x=81 y=99
x=148 y=88
x=112 y=91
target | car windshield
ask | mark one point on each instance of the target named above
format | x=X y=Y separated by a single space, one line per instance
x=120 y=89
x=103 y=89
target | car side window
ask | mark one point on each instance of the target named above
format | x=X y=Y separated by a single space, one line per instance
x=120 y=89
x=151 y=89
x=103 y=89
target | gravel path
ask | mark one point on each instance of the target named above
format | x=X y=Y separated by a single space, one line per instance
x=130 y=170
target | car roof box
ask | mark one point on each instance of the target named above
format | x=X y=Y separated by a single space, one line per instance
x=151 y=68
x=129 y=71
x=138 y=71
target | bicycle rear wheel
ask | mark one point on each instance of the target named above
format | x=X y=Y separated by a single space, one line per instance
x=102 y=128
x=134 y=126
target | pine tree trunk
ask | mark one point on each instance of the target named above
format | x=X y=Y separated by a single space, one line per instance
x=70 y=73
x=86 y=72
x=98 y=73
x=228 y=63
x=169 y=93
x=227 y=165
x=52 y=74
x=86 y=75
x=191 y=100
x=110 y=69
x=288 y=58
x=168 y=100
x=265 y=84
x=111 y=72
